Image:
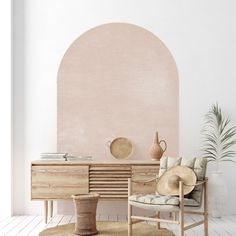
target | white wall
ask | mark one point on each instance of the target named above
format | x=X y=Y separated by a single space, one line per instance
x=5 y=104
x=200 y=34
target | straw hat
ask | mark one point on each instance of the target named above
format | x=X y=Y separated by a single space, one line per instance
x=168 y=183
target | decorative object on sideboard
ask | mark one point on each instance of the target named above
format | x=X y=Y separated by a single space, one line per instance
x=120 y=148
x=156 y=151
x=53 y=156
x=219 y=138
x=80 y=158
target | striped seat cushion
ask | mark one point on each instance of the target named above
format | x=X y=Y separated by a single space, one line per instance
x=154 y=199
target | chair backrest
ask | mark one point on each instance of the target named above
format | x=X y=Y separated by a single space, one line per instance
x=197 y=164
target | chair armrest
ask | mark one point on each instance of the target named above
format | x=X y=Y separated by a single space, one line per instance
x=130 y=181
x=197 y=184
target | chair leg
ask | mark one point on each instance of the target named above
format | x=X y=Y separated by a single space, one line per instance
x=51 y=208
x=46 y=211
x=181 y=223
x=206 y=207
x=173 y=215
x=181 y=210
x=158 y=223
x=129 y=220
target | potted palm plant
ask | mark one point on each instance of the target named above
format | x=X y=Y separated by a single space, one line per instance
x=218 y=142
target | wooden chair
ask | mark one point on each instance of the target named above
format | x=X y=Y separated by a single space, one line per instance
x=190 y=204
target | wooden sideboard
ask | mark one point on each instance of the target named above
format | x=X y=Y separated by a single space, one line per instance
x=58 y=180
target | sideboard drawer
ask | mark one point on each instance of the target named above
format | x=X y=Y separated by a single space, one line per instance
x=142 y=173
x=58 y=182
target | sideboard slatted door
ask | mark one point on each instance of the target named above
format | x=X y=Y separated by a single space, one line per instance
x=111 y=182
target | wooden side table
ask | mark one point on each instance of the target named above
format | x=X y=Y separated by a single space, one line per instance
x=85 y=213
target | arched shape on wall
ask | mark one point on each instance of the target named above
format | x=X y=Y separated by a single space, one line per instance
x=117 y=79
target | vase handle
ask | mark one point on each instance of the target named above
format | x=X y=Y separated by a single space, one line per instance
x=165 y=145
x=109 y=143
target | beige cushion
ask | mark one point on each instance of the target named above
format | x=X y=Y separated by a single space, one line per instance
x=154 y=199
x=198 y=165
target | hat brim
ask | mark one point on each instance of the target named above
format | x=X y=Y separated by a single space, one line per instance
x=186 y=174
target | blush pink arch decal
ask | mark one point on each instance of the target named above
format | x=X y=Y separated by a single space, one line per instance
x=115 y=80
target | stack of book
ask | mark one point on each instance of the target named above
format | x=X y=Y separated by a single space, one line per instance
x=53 y=156
x=79 y=158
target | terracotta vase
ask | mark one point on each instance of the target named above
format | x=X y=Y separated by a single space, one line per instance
x=156 y=151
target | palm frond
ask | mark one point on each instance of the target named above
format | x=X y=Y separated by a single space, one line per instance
x=226 y=146
x=224 y=125
x=227 y=154
x=218 y=136
x=228 y=134
x=210 y=153
x=229 y=160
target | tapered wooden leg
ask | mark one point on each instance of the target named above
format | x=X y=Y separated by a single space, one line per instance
x=51 y=208
x=129 y=209
x=129 y=220
x=46 y=211
x=158 y=223
x=181 y=210
x=206 y=207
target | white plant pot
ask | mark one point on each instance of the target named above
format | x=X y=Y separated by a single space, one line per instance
x=217 y=194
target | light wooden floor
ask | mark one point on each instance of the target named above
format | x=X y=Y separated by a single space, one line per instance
x=32 y=225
